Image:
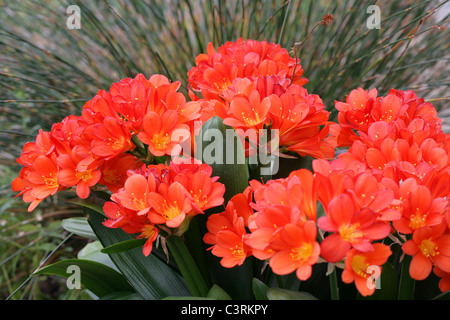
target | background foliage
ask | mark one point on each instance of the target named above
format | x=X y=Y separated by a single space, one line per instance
x=48 y=71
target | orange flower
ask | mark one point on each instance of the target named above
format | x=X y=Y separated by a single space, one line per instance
x=359 y=266
x=76 y=169
x=39 y=181
x=153 y=197
x=111 y=139
x=134 y=194
x=248 y=111
x=130 y=222
x=227 y=234
x=216 y=70
x=419 y=208
x=444 y=283
x=133 y=98
x=430 y=246
x=350 y=227
x=297 y=250
x=297 y=191
x=266 y=226
x=269 y=102
x=115 y=170
x=43 y=145
x=206 y=191
x=158 y=132
x=401 y=109
x=170 y=205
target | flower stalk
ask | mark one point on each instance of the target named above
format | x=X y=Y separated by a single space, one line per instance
x=188 y=268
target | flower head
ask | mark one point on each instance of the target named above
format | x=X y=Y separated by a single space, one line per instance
x=215 y=70
x=350 y=228
x=429 y=246
x=360 y=267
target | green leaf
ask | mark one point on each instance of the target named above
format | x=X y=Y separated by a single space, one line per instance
x=259 y=289
x=228 y=163
x=194 y=279
x=407 y=284
x=96 y=277
x=443 y=296
x=79 y=226
x=152 y=278
x=219 y=146
x=122 y=296
x=218 y=293
x=94 y=202
x=186 y=298
x=283 y=294
x=124 y=246
x=92 y=252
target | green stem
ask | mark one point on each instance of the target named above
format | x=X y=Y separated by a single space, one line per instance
x=407 y=284
x=191 y=274
x=334 y=285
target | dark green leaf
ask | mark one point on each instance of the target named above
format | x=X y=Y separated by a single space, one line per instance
x=122 y=296
x=220 y=147
x=218 y=293
x=94 y=202
x=79 y=226
x=407 y=284
x=92 y=252
x=282 y=294
x=443 y=296
x=98 y=278
x=259 y=289
x=124 y=246
x=151 y=277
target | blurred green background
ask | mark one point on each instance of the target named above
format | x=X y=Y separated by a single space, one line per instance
x=48 y=71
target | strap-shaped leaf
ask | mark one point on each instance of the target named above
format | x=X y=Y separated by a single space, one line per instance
x=79 y=226
x=219 y=146
x=152 y=278
x=124 y=246
x=283 y=294
x=259 y=289
x=96 y=277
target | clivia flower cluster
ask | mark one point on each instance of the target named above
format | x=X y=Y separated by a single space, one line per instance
x=388 y=183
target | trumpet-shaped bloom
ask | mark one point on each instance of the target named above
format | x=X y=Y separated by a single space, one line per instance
x=132 y=223
x=227 y=234
x=111 y=138
x=38 y=181
x=115 y=171
x=170 y=205
x=350 y=228
x=444 y=282
x=419 y=209
x=163 y=133
x=73 y=173
x=206 y=192
x=360 y=267
x=134 y=195
x=299 y=119
x=296 y=251
x=429 y=246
